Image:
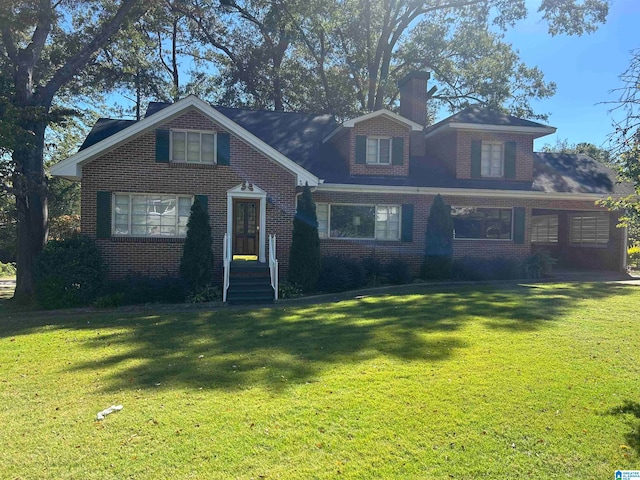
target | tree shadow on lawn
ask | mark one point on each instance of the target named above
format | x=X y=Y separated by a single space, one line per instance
x=630 y=408
x=276 y=347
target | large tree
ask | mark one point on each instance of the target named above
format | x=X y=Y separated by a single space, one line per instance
x=345 y=56
x=46 y=48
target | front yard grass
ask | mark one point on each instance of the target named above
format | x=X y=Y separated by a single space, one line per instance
x=536 y=381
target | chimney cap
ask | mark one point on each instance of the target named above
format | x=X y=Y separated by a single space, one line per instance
x=417 y=74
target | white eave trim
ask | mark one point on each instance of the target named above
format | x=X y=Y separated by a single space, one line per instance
x=536 y=131
x=460 y=192
x=394 y=117
x=71 y=167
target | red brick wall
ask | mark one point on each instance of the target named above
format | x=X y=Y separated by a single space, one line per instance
x=443 y=148
x=379 y=127
x=132 y=168
x=524 y=152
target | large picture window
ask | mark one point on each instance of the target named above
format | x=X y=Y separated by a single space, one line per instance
x=150 y=215
x=193 y=147
x=492 y=160
x=378 y=151
x=544 y=229
x=482 y=223
x=589 y=228
x=380 y=222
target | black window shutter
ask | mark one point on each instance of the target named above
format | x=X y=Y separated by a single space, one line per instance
x=510 y=160
x=162 y=145
x=476 y=158
x=518 y=224
x=407 y=223
x=398 y=151
x=203 y=200
x=361 y=149
x=224 y=149
x=103 y=215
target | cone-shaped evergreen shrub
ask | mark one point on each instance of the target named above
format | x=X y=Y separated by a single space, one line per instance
x=304 y=257
x=439 y=242
x=196 y=265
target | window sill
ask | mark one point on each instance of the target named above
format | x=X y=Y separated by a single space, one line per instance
x=589 y=245
x=360 y=239
x=484 y=239
x=118 y=239
x=173 y=164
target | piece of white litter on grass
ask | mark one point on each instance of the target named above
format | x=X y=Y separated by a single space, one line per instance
x=107 y=411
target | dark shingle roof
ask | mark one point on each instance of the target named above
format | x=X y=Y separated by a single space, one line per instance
x=477 y=115
x=104 y=128
x=575 y=173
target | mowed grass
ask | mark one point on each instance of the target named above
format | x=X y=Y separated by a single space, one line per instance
x=536 y=381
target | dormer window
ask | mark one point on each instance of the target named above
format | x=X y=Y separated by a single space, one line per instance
x=378 y=150
x=193 y=147
x=492 y=161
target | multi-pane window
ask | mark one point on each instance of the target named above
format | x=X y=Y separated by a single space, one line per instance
x=193 y=147
x=151 y=215
x=544 y=229
x=589 y=228
x=378 y=151
x=380 y=222
x=492 y=159
x=482 y=223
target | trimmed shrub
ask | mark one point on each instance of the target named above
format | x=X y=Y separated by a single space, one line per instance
x=304 y=256
x=439 y=242
x=68 y=273
x=339 y=274
x=287 y=290
x=141 y=289
x=196 y=264
x=205 y=294
x=539 y=264
x=477 y=269
x=375 y=272
x=398 y=272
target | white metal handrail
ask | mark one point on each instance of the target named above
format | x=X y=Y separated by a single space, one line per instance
x=273 y=265
x=227 y=265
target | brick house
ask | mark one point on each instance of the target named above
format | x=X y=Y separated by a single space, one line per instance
x=374 y=178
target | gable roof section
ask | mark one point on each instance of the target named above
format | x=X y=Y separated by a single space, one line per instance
x=485 y=119
x=113 y=133
x=394 y=117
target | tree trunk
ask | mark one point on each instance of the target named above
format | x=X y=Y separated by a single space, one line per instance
x=30 y=187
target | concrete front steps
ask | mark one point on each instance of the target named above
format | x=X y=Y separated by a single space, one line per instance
x=249 y=283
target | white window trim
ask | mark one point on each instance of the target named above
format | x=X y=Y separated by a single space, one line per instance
x=186 y=143
x=546 y=217
x=132 y=194
x=377 y=162
x=487 y=239
x=597 y=214
x=501 y=146
x=375 y=229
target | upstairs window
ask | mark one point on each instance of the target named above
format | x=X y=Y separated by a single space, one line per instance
x=193 y=147
x=589 y=228
x=492 y=160
x=378 y=151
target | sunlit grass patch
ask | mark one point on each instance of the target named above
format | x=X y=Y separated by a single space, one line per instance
x=474 y=382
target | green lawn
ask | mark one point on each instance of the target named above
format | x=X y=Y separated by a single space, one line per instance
x=531 y=381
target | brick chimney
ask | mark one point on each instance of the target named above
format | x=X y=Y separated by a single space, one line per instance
x=413 y=96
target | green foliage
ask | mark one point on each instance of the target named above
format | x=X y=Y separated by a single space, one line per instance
x=287 y=290
x=196 y=265
x=339 y=274
x=439 y=242
x=634 y=256
x=208 y=293
x=69 y=273
x=374 y=271
x=483 y=269
x=539 y=264
x=398 y=272
x=136 y=289
x=304 y=256
x=7 y=269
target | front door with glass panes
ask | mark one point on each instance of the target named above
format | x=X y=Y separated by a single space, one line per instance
x=246 y=233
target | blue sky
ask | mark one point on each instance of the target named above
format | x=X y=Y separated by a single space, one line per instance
x=584 y=68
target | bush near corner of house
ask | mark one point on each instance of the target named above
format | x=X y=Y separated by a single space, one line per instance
x=7 y=269
x=539 y=264
x=339 y=274
x=634 y=256
x=140 y=289
x=68 y=273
